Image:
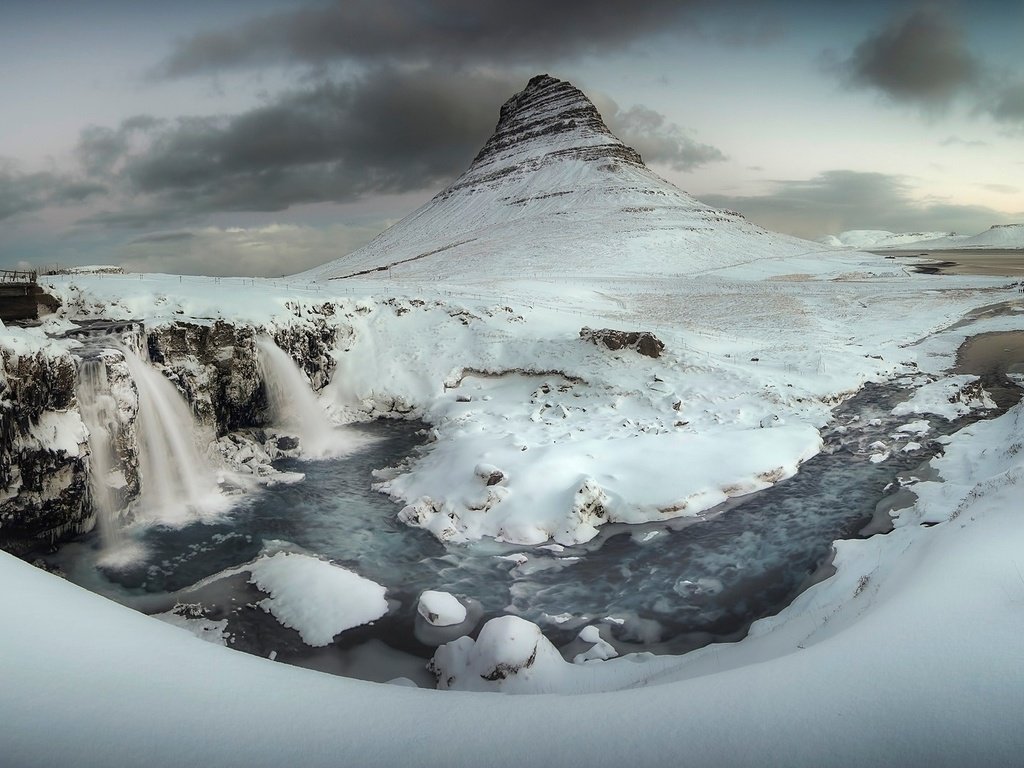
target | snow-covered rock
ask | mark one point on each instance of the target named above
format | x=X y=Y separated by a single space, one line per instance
x=314 y=597
x=441 y=609
x=509 y=655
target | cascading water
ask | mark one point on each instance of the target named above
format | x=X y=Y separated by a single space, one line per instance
x=99 y=412
x=294 y=407
x=177 y=484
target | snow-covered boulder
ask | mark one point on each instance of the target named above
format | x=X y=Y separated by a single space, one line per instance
x=314 y=597
x=509 y=655
x=441 y=609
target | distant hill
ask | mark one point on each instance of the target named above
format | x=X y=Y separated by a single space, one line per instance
x=998 y=236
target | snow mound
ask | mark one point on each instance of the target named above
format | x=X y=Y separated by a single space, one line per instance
x=998 y=236
x=950 y=398
x=441 y=609
x=566 y=490
x=314 y=597
x=510 y=655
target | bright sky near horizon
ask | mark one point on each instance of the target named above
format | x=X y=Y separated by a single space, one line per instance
x=268 y=136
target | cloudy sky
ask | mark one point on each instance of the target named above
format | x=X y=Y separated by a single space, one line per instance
x=267 y=136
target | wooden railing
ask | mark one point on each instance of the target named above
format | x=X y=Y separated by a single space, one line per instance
x=15 y=276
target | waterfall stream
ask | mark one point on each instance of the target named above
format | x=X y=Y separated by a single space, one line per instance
x=177 y=484
x=99 y=412
x=294 y=406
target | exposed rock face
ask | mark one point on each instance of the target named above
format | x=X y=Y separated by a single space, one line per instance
x=215 y=368
x=43 y=472
x=44 y=453
x=548 y=120
x=643 y=342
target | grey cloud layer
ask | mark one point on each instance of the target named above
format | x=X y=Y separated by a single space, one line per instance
x=412 y=30
x=839 y=200
x=25 y=192
x=392 y=131
x=921 y=57
x=1006 y=104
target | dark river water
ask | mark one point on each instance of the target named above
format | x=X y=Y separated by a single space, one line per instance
x=666 y=587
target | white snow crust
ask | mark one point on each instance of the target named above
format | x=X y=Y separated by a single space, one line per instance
x=314 y=597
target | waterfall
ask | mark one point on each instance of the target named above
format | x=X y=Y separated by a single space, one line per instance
x=177 y=483
x=294 y=407
x=99 y=413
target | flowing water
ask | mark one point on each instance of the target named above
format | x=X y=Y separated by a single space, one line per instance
x=100 y=414
x=668 y=587
x=177 y=482
x=293 y=405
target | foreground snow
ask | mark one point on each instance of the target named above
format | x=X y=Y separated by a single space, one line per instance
x=910 y=654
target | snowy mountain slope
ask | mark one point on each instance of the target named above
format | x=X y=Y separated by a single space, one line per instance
x=554 y=193
x=880 y=238
x=997 y=236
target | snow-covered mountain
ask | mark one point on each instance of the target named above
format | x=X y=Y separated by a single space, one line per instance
x=879 y=238
x=996 y=236
x=553 y=192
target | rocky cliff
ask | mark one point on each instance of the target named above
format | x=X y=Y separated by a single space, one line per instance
x=44 y=451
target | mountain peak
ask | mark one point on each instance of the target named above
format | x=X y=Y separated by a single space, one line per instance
x=549 y=118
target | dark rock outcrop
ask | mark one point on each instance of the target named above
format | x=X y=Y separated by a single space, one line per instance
x=215 y=365
x=43 y=472
x=548 y=120
x=643 y=342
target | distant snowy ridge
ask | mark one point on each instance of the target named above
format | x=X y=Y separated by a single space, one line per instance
x=554 y=193
x=879 y=238
x=996 y=236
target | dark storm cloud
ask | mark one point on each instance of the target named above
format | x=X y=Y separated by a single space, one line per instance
x=414 y=30
x=392 y=131
x=100 y=148
x=840 y=200
x=25 y=192
x=921 y=58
